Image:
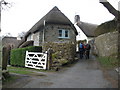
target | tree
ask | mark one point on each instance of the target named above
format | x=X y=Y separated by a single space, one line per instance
x=4 y=4
x=4 y=51
x=21 y=35
x=110 y=8
x=7 y=35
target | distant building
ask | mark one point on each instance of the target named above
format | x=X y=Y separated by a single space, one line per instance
x=9 y=43
x=87 y=28
x=12 y=41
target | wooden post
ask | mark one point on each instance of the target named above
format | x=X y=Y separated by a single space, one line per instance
x=118 y=27
x=4 y=59
x=5 y=56
x=49 y=59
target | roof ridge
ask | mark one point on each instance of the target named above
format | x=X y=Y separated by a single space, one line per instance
x=89 y=23
x=55 y=8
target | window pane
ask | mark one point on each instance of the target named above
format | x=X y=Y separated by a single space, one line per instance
x=66 y=33
x=60 y=33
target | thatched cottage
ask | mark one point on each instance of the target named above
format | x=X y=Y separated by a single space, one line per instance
x=87 y=28
x=8 y=43
x=12 y=41
x=54 y=30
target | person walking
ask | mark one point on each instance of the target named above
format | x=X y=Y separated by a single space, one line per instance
x=81 y=50
x=87 y=50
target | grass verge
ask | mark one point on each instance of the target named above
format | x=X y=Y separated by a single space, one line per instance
x=21 y=70
x=108 y=62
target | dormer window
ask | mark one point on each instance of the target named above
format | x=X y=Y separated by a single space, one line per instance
x=63 y=33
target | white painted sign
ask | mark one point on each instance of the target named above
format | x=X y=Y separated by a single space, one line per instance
x=36 y=60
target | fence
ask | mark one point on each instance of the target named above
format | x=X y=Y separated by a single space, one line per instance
x=36 y=60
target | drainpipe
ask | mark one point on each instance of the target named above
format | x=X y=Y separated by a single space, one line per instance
x=44 y=33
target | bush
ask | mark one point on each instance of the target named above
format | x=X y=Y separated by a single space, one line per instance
x=17 y=57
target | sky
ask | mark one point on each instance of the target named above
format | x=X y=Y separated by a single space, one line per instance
x=23 y=14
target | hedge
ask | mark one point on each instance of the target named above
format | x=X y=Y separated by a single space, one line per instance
x=17 y=57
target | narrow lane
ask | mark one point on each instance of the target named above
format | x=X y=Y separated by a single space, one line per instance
x=84 y=74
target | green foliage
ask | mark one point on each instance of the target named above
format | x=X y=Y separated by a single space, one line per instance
x=106 y=27
x=108 y=62
x=54 y=56
x=17 y=57
x=19 y=70
x=23 y=70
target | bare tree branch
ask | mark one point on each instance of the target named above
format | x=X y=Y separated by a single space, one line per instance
x=111 y=9
x=4 y=5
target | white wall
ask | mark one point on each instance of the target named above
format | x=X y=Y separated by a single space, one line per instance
x=81 y=35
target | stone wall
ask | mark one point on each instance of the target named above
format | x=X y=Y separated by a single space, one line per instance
x=107 y=44
x=52 y=33
x=61 y=52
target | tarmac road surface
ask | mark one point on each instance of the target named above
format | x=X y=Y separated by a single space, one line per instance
x=83 y=74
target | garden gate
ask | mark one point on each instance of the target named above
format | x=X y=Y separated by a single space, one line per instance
x=36 y=60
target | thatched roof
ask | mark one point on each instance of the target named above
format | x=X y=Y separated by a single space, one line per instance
x=27 y=43
x=10 y=40
x=54 y=16
x=106 y=27
x=87 y=28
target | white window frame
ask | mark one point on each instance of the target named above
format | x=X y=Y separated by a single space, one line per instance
x=63 y=33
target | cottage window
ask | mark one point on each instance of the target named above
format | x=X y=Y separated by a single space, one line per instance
x=60 y=33
x=66 y=33
x=63 y=33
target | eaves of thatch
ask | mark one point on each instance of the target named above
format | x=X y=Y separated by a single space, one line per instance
x=88 y=28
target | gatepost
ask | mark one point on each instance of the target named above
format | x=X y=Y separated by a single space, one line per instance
x=49 y=60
